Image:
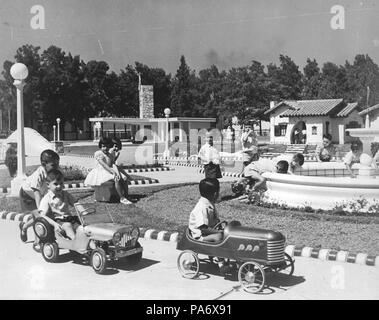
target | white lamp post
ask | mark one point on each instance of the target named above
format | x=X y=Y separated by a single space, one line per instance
x=166 y=152
x=54 y=127
x=19 y=72
x=58 y=122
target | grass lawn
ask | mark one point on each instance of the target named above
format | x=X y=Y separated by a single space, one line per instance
x=163 y=208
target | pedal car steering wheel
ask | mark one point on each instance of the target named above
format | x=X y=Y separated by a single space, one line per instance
x=220 y=225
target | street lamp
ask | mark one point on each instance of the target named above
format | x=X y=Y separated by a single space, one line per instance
x=58 y=122
x=19 y=73
x=54 y=127
x=166 y=152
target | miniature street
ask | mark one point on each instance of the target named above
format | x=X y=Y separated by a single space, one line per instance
x=25 y=275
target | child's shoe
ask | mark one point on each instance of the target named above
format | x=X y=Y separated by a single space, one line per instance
x=37 y=247
x=125 y=201
x=23 y=233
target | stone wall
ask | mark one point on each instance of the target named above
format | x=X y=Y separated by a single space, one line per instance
x=146 y=102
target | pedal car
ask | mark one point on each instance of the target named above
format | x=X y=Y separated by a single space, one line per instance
x=253 y=252
x=98 y=238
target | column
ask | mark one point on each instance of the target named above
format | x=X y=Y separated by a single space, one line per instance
x=341 y=133
x=181 y=131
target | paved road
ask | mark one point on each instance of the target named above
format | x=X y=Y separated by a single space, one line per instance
x=25 y=275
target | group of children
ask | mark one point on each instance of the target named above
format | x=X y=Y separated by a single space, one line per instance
x=43 y=194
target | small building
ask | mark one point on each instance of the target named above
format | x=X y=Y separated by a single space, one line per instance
x=147 y=126
x=313 y=119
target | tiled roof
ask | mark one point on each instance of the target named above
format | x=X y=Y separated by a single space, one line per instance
x=368 y=110
x=312 y=108
x=347 y=110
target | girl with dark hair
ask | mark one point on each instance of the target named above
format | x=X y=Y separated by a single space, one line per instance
x=105 y=171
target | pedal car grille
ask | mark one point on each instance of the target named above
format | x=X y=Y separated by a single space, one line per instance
x=126 y=240
x=275 y=251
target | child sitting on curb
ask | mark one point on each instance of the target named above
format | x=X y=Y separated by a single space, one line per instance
x=33 y=189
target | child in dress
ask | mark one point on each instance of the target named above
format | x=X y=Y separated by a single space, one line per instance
x=54 y=206
x=33 y=189
x=353 y=157
x=105 y=171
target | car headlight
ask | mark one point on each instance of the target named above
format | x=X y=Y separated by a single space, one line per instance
x=135 y=233
x=116 y=237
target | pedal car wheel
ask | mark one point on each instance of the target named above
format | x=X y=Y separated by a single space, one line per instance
x=251 y=277
x=135 y=258
x=50 y=251
x=290 y=266
x=188 y=264
x=43 y=229
x=99 y=260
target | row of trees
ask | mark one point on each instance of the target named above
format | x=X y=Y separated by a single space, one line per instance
x=62 y=85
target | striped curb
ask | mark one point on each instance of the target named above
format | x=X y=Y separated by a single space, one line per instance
x=149 y=169
x=291 y=250
x=15 y=216
x=227 y=174
x=78 y=155
x=81 y=186
x=332 y=255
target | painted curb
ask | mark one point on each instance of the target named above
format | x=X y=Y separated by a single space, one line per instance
x=291 y=250
x=81 y=186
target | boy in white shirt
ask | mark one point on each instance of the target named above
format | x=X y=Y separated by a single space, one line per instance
x=33 y=189
x=210 y=158
x=54 y=206
x=204 y=216
x=353 y=157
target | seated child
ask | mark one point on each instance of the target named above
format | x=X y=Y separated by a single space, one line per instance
x=326 y=151
x=352 y=157
x=295 y=161
x=105 y=171
x=115 y=153
x=204 y=216
x=54 y=206
x=33 y=189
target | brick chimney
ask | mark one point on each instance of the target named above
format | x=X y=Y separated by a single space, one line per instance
x=146 y=102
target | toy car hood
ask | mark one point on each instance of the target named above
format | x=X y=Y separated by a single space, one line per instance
x=105 y=230
x=256 y=233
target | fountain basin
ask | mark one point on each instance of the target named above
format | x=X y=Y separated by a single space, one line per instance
x=324 y=191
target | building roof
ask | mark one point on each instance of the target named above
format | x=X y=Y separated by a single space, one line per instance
x=312 y=108
x=347 y=110
x=149 y=120
x=368 y=110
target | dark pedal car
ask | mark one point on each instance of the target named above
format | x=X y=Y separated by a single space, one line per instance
x=98 y=238
x=252 y=252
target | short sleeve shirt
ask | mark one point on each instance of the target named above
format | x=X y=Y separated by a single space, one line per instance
x=56 y=205
x=204 y=213
x=36 y=181
x=209 y=154
x=351 y=158
x=325 y=153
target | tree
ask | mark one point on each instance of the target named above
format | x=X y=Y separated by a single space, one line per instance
x=286 y=80
x=333 y=82
x=311 y=80
x=361 y=74
x=183 y=91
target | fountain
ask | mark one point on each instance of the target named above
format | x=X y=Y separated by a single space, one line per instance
x=326 y=185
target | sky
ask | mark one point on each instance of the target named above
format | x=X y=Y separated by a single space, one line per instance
x=227 y=33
